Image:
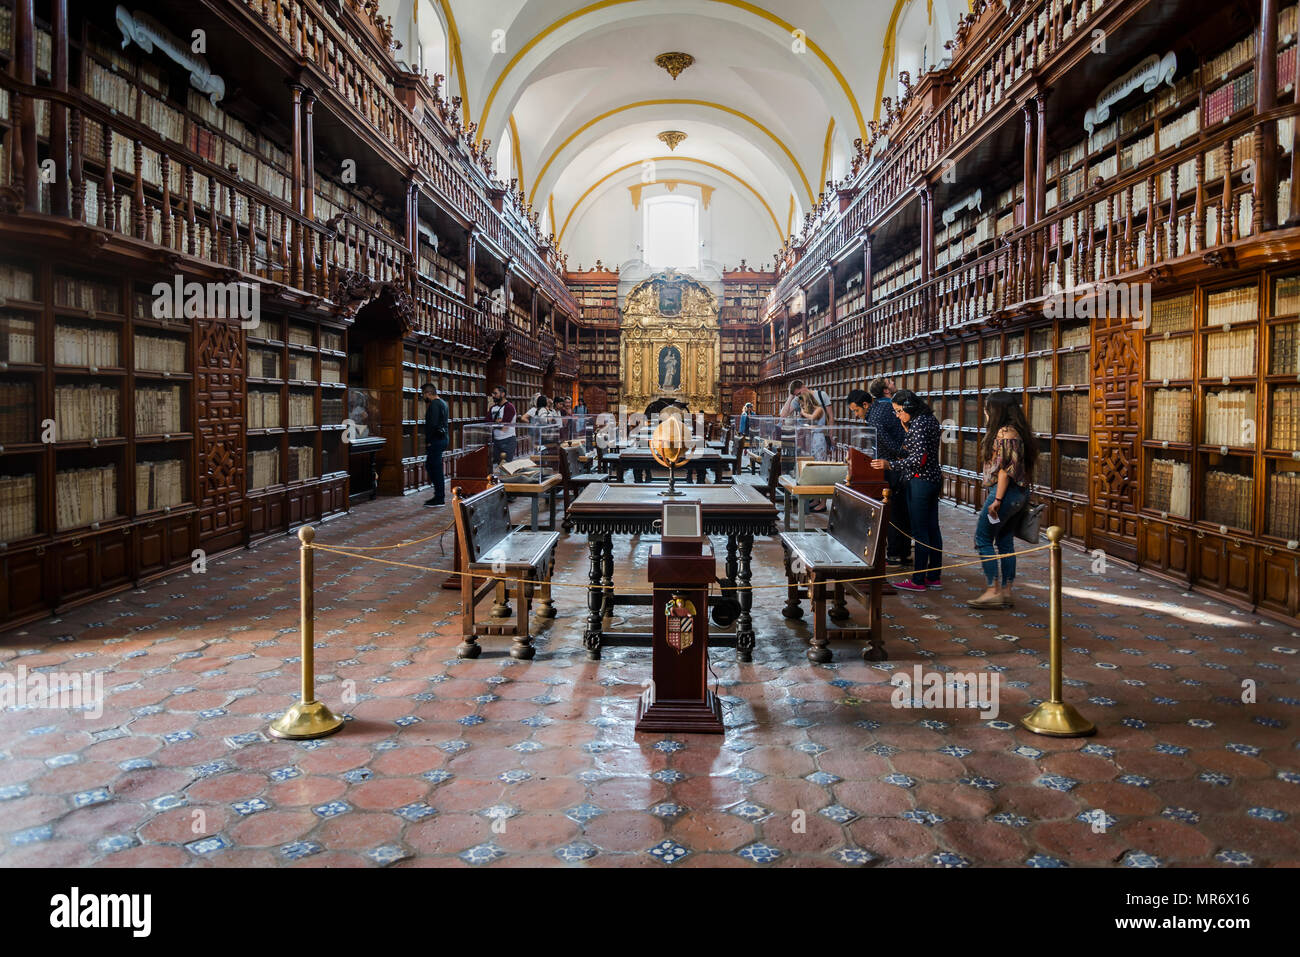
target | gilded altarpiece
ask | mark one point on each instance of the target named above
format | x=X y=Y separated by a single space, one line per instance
x=669 y=343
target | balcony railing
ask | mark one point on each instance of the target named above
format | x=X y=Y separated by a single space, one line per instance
x=1194 y=203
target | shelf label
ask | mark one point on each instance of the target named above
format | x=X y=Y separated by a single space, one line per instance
x=1227 y=380
x=1164 y=514
x=94 y=526
x=4 y=365
x=93 y=369
x=1164 y=382
x=1296 y=456
x=1223 y=529
x=1293 y=544
x=94 y=443
x=1164 y=444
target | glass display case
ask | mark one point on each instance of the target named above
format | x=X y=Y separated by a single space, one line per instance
x=820 y=452
x=361 y=417
x=519 y=452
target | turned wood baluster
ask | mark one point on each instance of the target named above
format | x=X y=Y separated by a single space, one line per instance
x=1199 y=209
x=165 y=218
x=138 y=227
x=1108 y=247
x=284 y=247
x=78 y=169
x=1171 y=232
x=1153 y=207
x=214 y=233
x=1127 y=256
x=110 y=186
x=232 y=249
x=190 y=225
x=1226 y=223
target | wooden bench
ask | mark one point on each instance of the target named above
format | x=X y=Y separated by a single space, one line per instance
x=768 y=478
x=576 y=477
x=852 y=547
x=808 y=487
x=510 y=561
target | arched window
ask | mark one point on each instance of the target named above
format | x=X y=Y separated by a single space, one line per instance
x=505 y=158
x=432 y=38
x=671 y=232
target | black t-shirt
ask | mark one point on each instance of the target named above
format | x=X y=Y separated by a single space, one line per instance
x=435 y=421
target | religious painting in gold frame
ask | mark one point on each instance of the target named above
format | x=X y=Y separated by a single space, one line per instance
x=669 y=343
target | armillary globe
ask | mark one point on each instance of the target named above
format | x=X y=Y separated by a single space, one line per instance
x=669 y=445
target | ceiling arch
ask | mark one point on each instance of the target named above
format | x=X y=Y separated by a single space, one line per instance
x=668 y=160
x=771 y=140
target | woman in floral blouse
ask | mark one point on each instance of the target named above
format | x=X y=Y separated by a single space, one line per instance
x=1009 y=452
x=918 y=465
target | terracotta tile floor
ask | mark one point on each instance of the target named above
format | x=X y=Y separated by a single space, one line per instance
x=448 y=762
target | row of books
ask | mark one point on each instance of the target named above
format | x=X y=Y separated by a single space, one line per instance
x=87 y=346
x=1231 y=353
x=1230 y=417
x=263 y=363
x=1074 y=414
x=1169 y=487
x=263 y=468
x=1234 y=96
x=159 y=485
x=1229 y=499
x=17 y=507
x=301 y=335
x=331 y=370
x=1073 y=475
x=87 y=411
x=263 y=409
x=158 y=410
x=85 y=496
x=302 y=462
x=1040 y=414
x=1285 y=359
x=17 y=412
x=301 y=368
x=1287 y=296
x=302 y=409
x=87 y=295
x=159 y=354
x=1169 y=359
x=17 y=338
x=1284 y=505
x=1171 y=415
x=331 y=409
x=1076 y=369
x=16 y=282
x=1284 y=419
x=1172 y=315
x=1232 y=305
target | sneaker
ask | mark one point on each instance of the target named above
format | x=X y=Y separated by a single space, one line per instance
x=909 y=585
x=434 y=503
x=896 y=562
x=934 y=585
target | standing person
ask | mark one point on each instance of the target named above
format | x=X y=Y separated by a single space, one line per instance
x=919 y=463
x=502 y=411
x=889 y=444
x=436 y=436
x=743 y=427
x=1009 y=450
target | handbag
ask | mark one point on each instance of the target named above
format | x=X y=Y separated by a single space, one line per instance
x=1027 y=528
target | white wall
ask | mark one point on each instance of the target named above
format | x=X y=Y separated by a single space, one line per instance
x=606 y=227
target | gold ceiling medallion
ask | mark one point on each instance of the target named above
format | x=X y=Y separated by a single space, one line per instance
x=674 y=63
x=671 y=138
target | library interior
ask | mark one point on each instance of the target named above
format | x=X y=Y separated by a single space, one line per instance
x=415 y=450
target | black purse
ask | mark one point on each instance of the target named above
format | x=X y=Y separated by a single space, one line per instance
x=1027 y=527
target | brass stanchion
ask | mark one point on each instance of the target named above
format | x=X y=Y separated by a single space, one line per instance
x=308 y=718
x=1053 y=716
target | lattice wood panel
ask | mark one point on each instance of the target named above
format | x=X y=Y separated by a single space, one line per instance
x=219 y=433
x=1116 y=435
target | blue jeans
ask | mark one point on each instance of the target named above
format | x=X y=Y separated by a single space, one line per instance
x=433 y=466
x=923 y=510
x=992 y=540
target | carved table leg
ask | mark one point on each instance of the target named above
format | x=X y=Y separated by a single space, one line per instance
x=607 y=608
x=595 y=596
x=469 y=646
x=522 y=647
x=792 y=607
x=545 y=606
x=745 y=625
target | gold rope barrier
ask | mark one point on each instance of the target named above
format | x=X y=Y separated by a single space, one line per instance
x=309 y=718
x=1054 y=717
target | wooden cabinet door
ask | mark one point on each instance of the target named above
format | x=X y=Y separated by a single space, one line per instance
x=1116 y=431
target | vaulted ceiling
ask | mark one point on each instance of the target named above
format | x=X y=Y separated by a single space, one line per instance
x=777 y=93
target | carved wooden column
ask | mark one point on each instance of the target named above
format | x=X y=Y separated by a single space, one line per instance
x=1031 y=162
x=471 y=268
x=309 y=195
x=295 y=172
x=1265 y=215
x=25 y=165
x=59 y=113
x=830 y=269
x=927 y=232
x=1040 y=158
x=866 y=269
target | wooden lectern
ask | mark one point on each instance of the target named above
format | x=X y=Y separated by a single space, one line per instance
x=681 y=569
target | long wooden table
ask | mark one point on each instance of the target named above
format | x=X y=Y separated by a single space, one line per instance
x=642 y=463
x=602 y=511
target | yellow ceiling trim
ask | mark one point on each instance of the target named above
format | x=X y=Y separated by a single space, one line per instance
x=887 y=55
x=519 y=157
x=453 y=35
x=668 y=159
x=738 y=4
x=706 y=191
x=826 y=154
x=789 y=218
x=640 y=104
